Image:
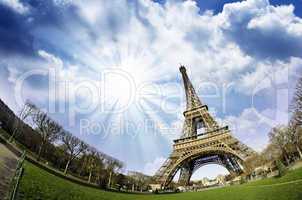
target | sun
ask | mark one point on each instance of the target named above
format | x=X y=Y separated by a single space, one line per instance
x=121 y=83
x=118 y=87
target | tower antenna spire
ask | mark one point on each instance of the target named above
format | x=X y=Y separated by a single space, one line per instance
x=192 y=98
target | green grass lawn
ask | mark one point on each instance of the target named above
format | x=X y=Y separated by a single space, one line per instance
x=291 y=176
x=39 y=184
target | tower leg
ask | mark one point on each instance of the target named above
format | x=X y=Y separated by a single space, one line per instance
x=236 y=164
x=186 y=173
x=228 y=164
x=233 y=162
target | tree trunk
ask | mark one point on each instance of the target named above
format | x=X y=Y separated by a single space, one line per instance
x=13 y=135
x=109 y=182
x=285 y=156
x=299 y=151
x=66 y=167
x=286 y=159
x=40 y=152
x=89 y=179
x=98 y=179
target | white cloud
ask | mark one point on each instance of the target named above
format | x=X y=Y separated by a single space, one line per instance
x=252 y=126
x=150 y=168
x=90 y=11
x=263 y=30
x=13 y=74
x=102 y=12
x=62 y=2
x=268 y=75
x=281 y=17
x=50 y=79
x=171 y=131
x=57 y=62
x=16 y=5
x=247 y=128
x=70 y=84
x=147 y=36
x=159 y=37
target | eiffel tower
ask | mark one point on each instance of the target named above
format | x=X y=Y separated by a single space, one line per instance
x=202 y=142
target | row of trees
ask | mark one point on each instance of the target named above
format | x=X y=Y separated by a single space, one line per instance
x=285 y=144
x=48 y=142
x=286 y=140
x=51 y=144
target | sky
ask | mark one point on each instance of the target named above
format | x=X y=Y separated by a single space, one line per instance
x=108 y=70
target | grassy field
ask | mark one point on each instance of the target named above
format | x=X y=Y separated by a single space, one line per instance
x=39 y=184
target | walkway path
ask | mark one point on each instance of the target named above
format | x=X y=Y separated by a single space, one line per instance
x=253 y=186
x=277 y=184
x=8 y=162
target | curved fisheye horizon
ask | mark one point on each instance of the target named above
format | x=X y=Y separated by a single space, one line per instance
x=151 y=95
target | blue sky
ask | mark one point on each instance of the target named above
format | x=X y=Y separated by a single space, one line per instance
x=108 y=70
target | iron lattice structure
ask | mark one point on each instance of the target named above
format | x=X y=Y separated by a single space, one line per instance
x=215 y=145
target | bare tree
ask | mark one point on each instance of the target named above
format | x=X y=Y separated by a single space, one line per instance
x=297 y=103
x=48 y=129
x=271 y=153
x=279 y=137
x=112 y=166
x=92 y=161
x=73 y=147
x=252 y=162
x=294 y=134
x=40 y=136
x=100 y=170
x=26 y=111
x=141 y=180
